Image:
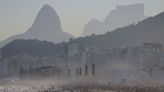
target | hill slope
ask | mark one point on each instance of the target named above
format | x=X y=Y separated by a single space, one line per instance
x=149 y=30
x=34 y=48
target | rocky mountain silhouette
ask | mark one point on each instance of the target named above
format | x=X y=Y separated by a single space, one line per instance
x=120 y=17
x=46 y=26
x=150 y=30
x=94 y=27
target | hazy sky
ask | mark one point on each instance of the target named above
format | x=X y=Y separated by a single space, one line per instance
x=16 y=16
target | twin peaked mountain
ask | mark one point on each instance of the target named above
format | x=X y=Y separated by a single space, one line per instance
x=47 y=26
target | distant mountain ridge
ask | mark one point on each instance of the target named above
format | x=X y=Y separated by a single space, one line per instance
x=47 y=26
x=148 y=30
x=33 y=48
x=122 y=16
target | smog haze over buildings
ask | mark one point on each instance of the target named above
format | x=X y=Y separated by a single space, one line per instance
x=82 y=46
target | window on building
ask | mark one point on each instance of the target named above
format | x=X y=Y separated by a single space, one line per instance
x=76 y=71
x=86 y=69
x=69 y=72
x=93 y=69
x=80 y=71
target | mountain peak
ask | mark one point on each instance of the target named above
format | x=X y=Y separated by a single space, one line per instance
x=124 y=15
x=47 y=7
x=47 y=18
x=46 y=26
x=94 y=26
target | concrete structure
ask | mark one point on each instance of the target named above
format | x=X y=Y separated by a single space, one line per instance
x=1 y=71
x=13 y=69
x=88 y=63
x=74 y=59
x=0 y=53
x=113 y=65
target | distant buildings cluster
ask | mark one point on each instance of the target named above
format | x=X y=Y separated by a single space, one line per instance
x=25 y=66
x=138 y=63
x=84 y=64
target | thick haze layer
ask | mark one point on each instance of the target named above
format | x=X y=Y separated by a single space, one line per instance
x=17 y=16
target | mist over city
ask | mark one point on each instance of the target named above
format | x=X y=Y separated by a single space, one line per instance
x=82 y=46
